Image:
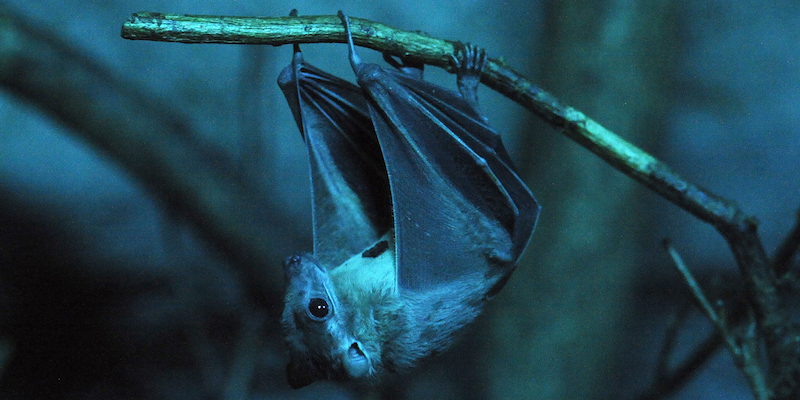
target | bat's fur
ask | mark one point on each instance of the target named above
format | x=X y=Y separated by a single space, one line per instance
x=392 y=330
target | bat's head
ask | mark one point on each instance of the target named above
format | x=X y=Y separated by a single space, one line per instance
x=318 y=329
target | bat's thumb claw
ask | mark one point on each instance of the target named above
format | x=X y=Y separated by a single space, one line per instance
x=354 y=59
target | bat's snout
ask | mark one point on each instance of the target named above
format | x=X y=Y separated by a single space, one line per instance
x=355 y=361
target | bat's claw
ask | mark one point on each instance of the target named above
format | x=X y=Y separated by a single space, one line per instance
x=469 y=60
x=468 y=63
x=355 y=60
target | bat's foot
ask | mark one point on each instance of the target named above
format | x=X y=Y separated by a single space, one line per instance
x=468 y=63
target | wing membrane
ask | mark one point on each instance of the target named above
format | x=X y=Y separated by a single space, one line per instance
x=351 y=200
x=459 y=207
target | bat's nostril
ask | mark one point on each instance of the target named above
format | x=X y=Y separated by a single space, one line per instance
x=291 y=260
x=355 y=350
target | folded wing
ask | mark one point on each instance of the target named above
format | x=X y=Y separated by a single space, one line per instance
x=351 y=199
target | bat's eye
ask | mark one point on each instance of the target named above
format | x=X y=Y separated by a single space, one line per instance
x=318 y=308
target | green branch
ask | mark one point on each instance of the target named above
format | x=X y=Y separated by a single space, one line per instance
x=624 y=156
x=285 y=30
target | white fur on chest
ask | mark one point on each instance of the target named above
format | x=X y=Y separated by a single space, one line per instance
x=368 y=274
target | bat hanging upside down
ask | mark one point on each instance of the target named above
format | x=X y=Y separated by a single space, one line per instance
x=419 y=217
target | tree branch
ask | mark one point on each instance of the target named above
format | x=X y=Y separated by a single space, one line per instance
x=744 y=349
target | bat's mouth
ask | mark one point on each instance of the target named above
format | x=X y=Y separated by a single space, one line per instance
x=356 y=363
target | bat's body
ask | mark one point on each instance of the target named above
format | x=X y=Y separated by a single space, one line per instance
x=419 y=218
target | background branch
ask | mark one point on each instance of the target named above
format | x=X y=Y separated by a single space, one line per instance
x=155 y=143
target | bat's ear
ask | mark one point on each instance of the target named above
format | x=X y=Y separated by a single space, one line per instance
x=500 y=283
x=291 y=267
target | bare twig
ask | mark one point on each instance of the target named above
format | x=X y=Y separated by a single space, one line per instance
x=698 y=294
x=745 y=354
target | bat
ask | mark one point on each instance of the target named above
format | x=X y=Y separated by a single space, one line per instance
x=419 y=217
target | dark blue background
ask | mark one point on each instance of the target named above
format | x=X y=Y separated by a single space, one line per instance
x=731 y=127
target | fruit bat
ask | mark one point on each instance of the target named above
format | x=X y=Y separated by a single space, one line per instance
x=419 y=217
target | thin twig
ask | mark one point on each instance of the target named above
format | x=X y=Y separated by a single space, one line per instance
x=751 y=358
x=745 y=354
x=698 y=294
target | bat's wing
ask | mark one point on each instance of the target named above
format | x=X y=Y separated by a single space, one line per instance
x=518 y=211
x=351 y=200
x=459 y=207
